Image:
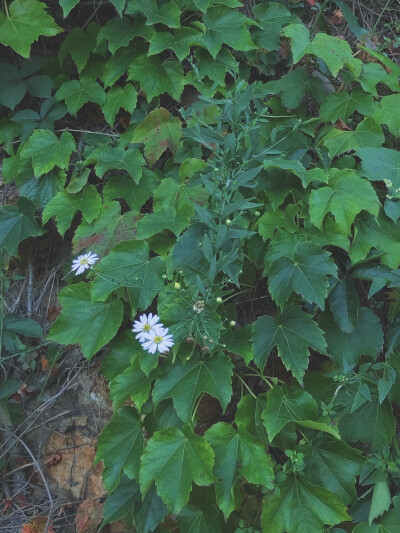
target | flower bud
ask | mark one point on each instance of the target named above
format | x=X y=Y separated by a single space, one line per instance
x=218 y=300
x=257 y=213
x=232 y=323
x=228 y=221
x=177 y=285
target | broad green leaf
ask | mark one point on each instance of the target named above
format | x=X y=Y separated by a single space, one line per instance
x=151 y=512
x=365 y=339
x=185 y=382
x=201 y=514
x=379 y=164
x=237 y=454
x=388 y=113
x=367 y=133
x=293 y=166
x=284 y=406
x=345 y=196
x=106 y=231
x=157 y=132
x=381 y=500
x=373 y=423
x=123 y=348
x=42 y=190
x=380 y=233
x=217 y=68
x=165 y=218
x=68 y=5
x=128 y=265
x=335 y=52
x=301 y=507
x=121 y=502
x=249 y=416
x=23 y=326
x=120 y=446
x=117 y=98
x=167 y=13
x=374 y=73
x=124 y=187
x=24 y=22
x=47 y=150
x=342 y=105
x=117 y=158
x=238 y=341
x=300 y=39
x=9 y=387
x=132 y=383
x=118 y=32
x=64 y=206
x=333 y=464
x=17 y=222
x=304 y=270
x=292 y=331
x=79 y=44
x=271 y=17
x=174 y=460
x=12 y=87
x=344 y=304
x=180 y=42
x=77 y=93
x=119 y=6
x=226 y=26
x=169 y=77
x=292 y=87
x=80 y=315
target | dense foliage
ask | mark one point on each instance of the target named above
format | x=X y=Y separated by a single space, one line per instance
x=237 y=174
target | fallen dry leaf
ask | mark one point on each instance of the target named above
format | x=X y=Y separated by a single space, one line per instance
x=36 y=525
x=89 y=516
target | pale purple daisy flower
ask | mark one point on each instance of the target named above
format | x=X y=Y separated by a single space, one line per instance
x=158 y=339
x=84 y=262
x=144 y=325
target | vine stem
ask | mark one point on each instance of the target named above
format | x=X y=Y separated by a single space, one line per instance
x=6 y=9
x=245 y=384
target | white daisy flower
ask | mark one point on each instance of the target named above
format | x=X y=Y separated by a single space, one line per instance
x=84 y=262
x=144 y=326
x=158 y=339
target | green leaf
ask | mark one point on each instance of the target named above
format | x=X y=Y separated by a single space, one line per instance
x=157 y=132
x=9 y=387
x=292 y=87
x=300 y=39
x=293 y=166
x=117 y=98
x=120 y=446
x=174 y=460
x=16 y=224
x=23 y=326
x=342 y=105
x=132 y=383
x=333 y=464
x=374 y=73
x=300 y=506
x=80 y=315
x=126 y=188
x=345 y=196
x=165 y=218
x=106 y=231
x=237 y=455
x=64 y=206
x=335 y=52
x=379 y=164
x=249 y=416
x=271 y=17
x=180 y=42
x=215 y=68
x=67 y=5
x=224 y=25
x=304 y=270
x=77 y=93
x=118 y=358
x=121 y=502
x=344 y=304
x=79 y=44
x=128 y=265
x=201 y=514
x=185 y=382
x=167 y=13
x=380 y=233
x=365 y=339
x=118 y=32
x=238 y=341
x=292 y=331
x=388 y=113
x=117 y=158
x=284 y=406
x=368 y=133
x=48 y=151
x=372 y=423
x=12 y=87
x=151 y=512
x=169 y=77
x=25 y=21
x=381 y=500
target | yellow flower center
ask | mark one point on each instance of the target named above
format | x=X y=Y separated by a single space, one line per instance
x=157 y=340
x=83 y=261
x=146 y=327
